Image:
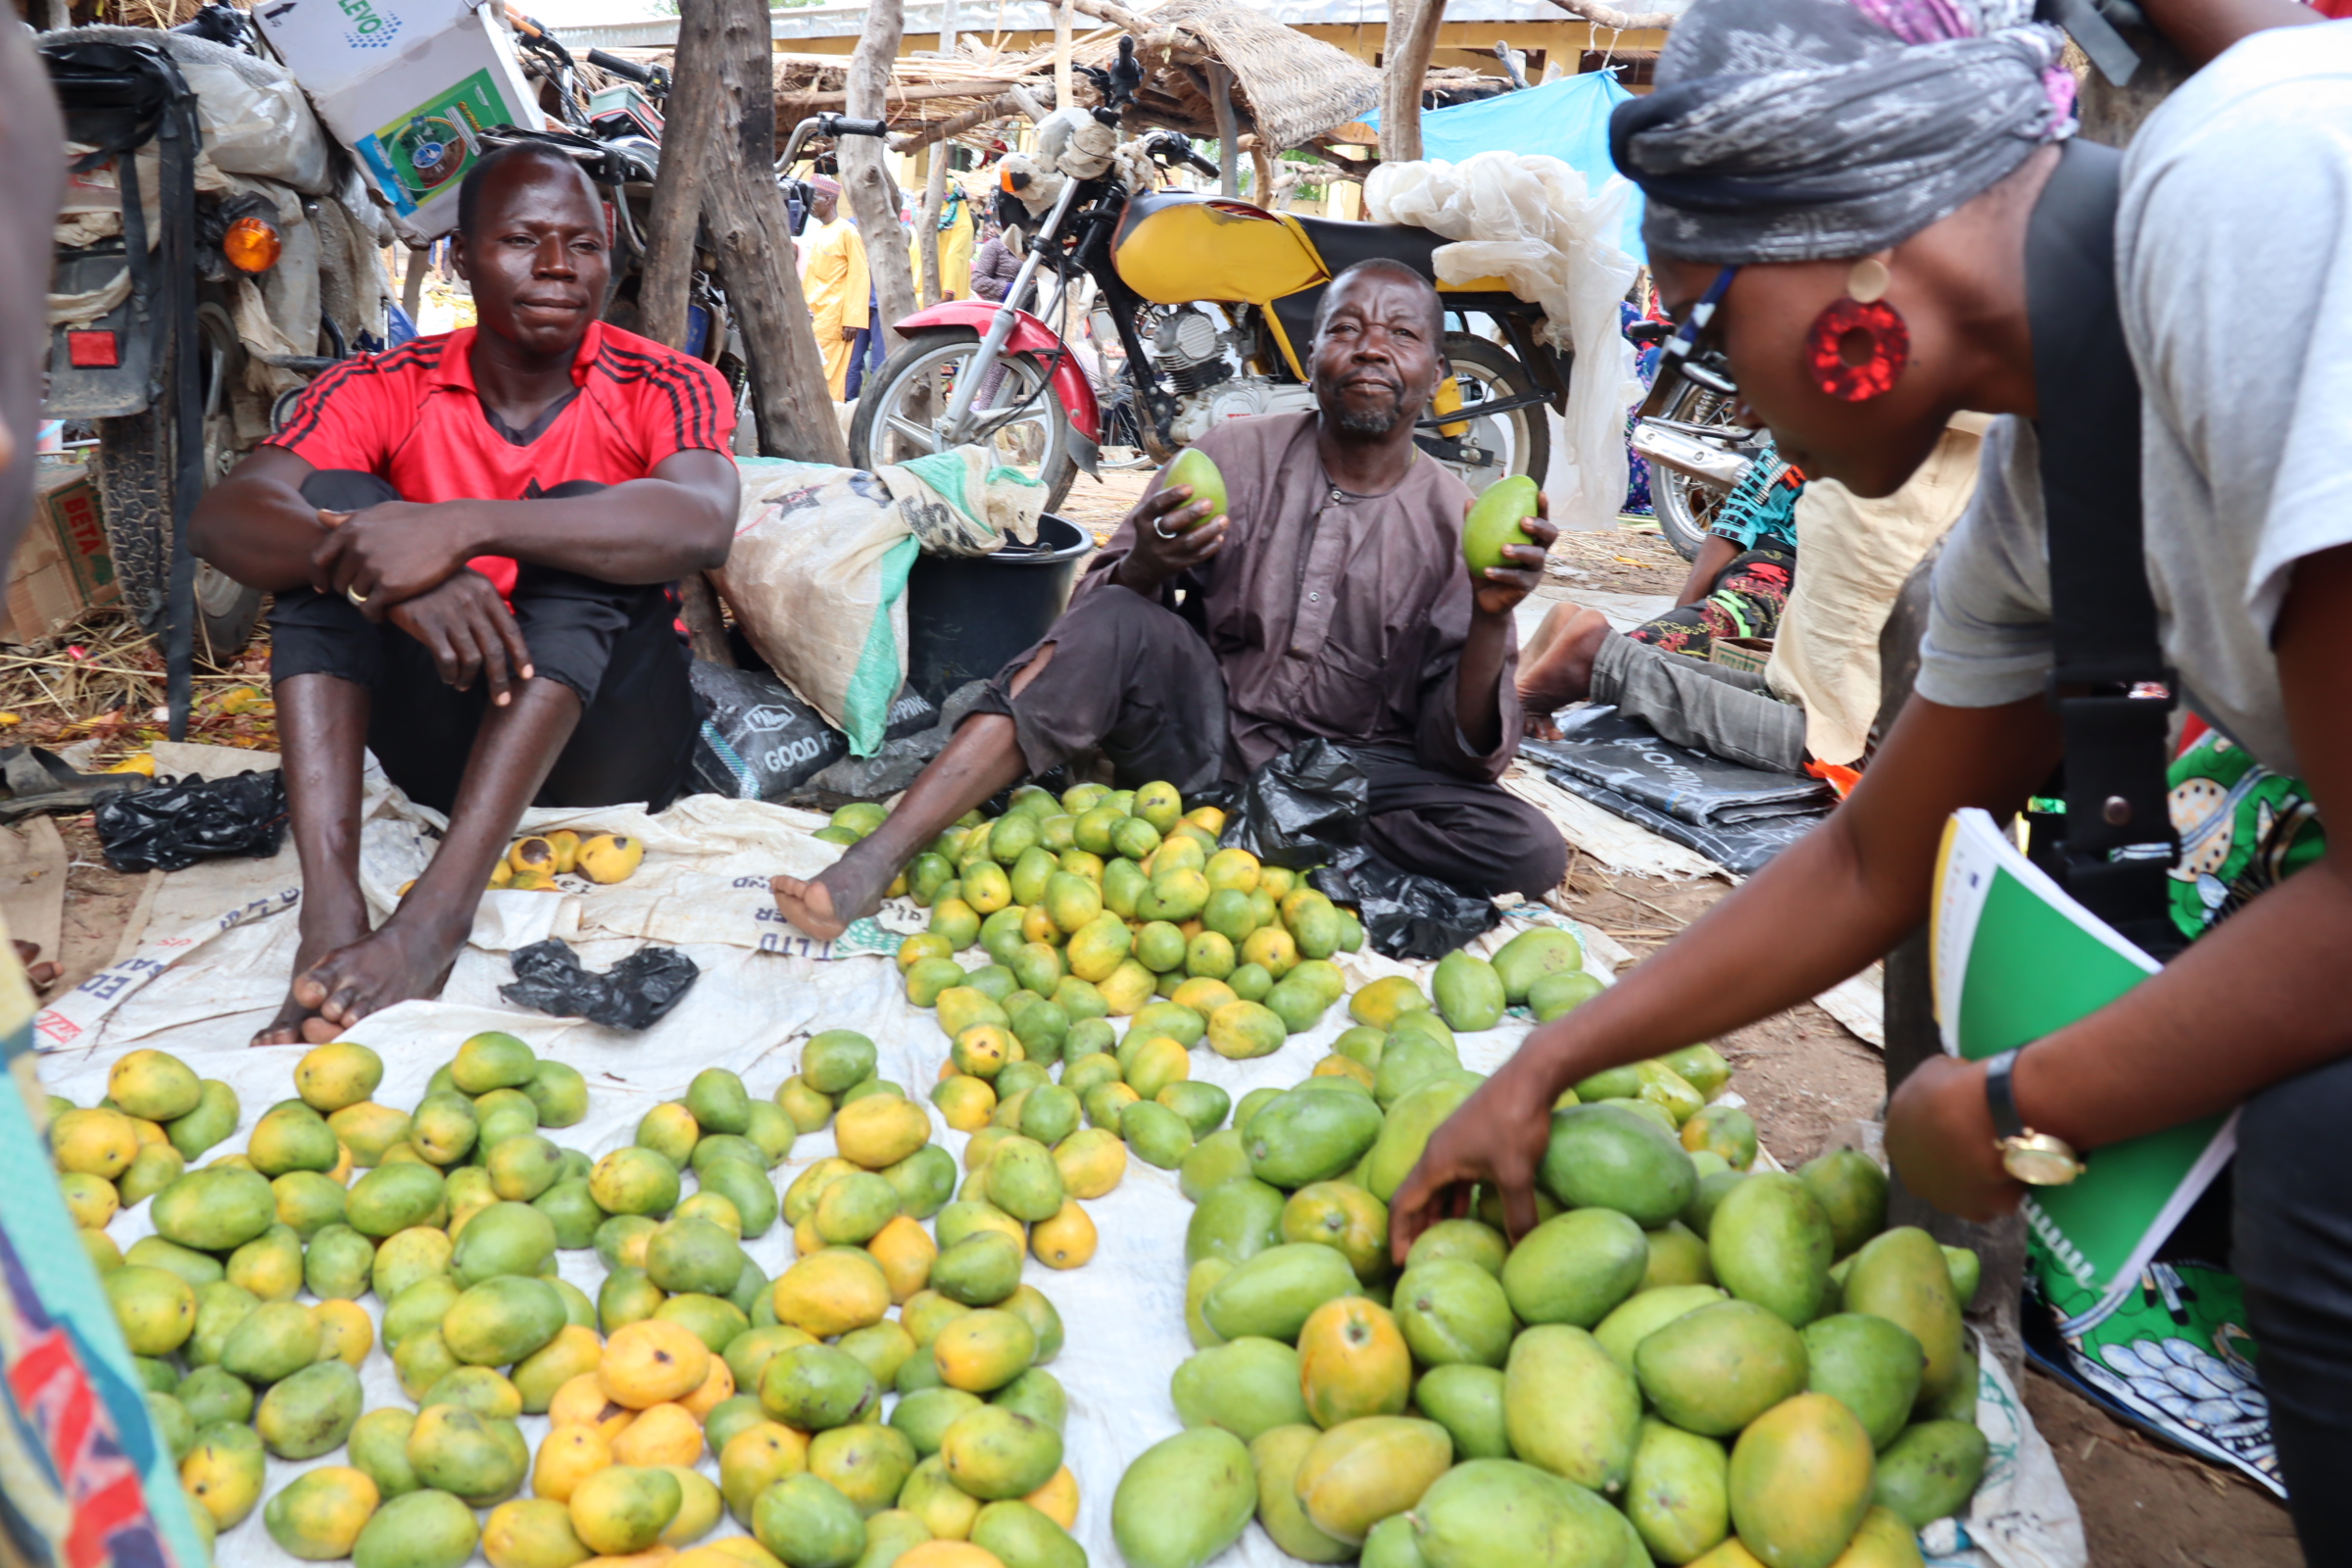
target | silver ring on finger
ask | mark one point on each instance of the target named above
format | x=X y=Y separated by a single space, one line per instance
x=1158 y=528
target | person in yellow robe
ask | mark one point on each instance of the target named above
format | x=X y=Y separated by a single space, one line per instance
x=836 y=283
x=955 y=245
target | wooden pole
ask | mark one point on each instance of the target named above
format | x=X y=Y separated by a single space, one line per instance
x=1229 y=134
x=935 y=181
x=726 y=43
x=866 y=171
x=1404 y=64
x=1062 y=96
x=664 y=287
x=412 y=287
x=1261 y=175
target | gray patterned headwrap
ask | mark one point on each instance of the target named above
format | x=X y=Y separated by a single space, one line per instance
x=1787 y=130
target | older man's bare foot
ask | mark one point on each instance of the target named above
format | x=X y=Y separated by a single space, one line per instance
x=321 y=934
x=397 y=963
x=849 y=889
x=1560 y=670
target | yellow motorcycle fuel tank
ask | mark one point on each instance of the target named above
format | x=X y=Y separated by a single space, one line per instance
x=1175 y=247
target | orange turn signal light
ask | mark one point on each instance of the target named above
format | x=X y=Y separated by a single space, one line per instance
x=252 y=245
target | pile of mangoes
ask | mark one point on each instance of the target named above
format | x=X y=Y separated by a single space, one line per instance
x=452 y=1214
x=1101 y=905
x=1687 y=1359
x=532 y=863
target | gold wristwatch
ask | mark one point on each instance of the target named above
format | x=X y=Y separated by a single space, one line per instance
x=2037 y=1160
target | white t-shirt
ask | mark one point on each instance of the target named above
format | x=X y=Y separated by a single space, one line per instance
x=2234 y=258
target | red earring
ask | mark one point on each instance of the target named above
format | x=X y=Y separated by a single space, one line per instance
x=1859 y=344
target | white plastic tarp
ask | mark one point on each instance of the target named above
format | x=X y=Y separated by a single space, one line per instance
x=221 y=943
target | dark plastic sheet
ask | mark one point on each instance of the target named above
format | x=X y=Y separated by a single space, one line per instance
x=634 y=993
x=1603 y=747
x=180 y=821
x=1301 y=809
x=1405 y=915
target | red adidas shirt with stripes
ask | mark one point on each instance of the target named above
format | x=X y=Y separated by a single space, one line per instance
x=411 y=417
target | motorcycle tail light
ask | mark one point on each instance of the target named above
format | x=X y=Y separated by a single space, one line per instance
x=252 y=245
x=94 y=350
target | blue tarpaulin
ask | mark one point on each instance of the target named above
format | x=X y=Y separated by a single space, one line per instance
x=1568 y=120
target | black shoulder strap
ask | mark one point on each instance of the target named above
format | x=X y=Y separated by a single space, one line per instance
x=2119 y=836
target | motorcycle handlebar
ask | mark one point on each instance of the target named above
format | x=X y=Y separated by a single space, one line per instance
x=630 y=70
x=855 y=127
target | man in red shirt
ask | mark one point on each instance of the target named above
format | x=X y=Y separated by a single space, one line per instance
x=469 y=540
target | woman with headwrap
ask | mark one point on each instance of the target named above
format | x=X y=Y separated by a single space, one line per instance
x=1868 y=206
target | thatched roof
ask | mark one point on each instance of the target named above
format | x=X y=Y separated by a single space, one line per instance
x=1289 y=87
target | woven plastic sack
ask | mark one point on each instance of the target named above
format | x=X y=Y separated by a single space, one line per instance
x=1534 y=221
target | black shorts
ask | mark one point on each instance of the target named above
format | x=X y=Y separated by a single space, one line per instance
x=614 y=645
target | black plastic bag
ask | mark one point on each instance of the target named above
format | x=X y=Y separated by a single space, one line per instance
x=1301 y=809
x=634 y=993
x=180 y=821
x=1405 y=915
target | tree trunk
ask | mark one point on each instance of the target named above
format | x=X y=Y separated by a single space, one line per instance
x=1404 y=64
x=724 y=45
x=935 y=181
x=1261 y=175
x=412 y=287
x=865 y=174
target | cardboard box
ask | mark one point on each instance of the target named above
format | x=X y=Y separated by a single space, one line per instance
x=1742 y=652
x=409 y=86
x=63 y=567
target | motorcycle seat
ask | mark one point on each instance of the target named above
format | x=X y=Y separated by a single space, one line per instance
x=1343 y=244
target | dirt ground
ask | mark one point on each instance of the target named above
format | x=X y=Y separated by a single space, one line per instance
x=1803 y=1073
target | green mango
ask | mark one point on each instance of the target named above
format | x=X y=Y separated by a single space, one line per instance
x=1678 y=1493
x=1713 y=1184
x=1606 y=1157
x=1770 y=1244
x=1020 y=1536
x=304 y=1415
x=502 y=1320
x=1184 y=1499
x=1468 y=1240
x=1215 y=1160
x=1248 y=1385
x=1902 y=1277
x=422 y=1529
x=1469 y=994
x=274 y=1340
x=1532 y=955
x=1678 y=1255
x=1413 y=1116
x=395 y=1198
x=1967 y=1269
x=1873 y=1365
x=216 y=1209
x=1800 y=1482
x=1562 y=991
x=1235 y=1220
x=1410 y=1057
x=1024 y=1180
x=1310 y=1136
x=337 y=1262
x=1198 y=1280
x=1468 y=1402
x=1714 y=1370
x=1646 y=1312
x=1570 y=1409
x=1453 y=1311
x=215 y=1117
x=1574 y=1268
x=981 y=1269
x=505 y=1238
x=1851 y=1190
x=1496 y=522
x=1488 y=1512
x=1274 y=1293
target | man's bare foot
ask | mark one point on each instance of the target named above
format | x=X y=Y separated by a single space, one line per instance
x=850 y=889
x=321 y=934
x=1560 y=671
x=398 y=961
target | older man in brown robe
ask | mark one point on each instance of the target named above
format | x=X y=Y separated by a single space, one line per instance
x=1330 y=599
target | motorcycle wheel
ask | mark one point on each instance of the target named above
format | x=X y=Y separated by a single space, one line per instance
x=134 y=489
x=894 y=421
x=1521 y=439
x=1687 y=506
